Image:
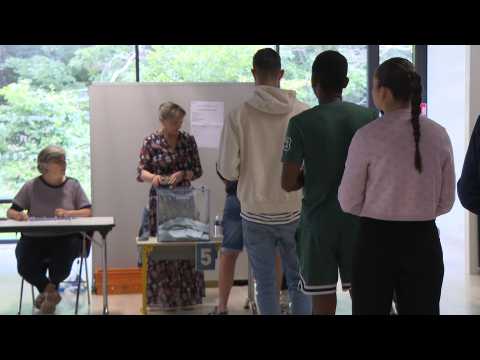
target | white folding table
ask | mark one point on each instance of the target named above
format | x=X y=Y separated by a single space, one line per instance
x=82 y=225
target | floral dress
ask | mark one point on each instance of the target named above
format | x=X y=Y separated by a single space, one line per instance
x=170 y=283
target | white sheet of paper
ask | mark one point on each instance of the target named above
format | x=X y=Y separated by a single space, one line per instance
x=206 y=121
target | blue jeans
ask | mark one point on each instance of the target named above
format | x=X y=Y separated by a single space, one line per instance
x=263 y=242
x=232 y=225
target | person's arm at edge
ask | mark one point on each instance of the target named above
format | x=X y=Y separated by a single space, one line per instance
x=468 y=186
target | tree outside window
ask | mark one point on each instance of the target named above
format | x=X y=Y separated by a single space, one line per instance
x=44 y=100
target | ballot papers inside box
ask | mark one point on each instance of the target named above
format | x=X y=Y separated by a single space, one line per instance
x=183 y=214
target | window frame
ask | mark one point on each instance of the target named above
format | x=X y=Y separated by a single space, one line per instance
x=419 y=60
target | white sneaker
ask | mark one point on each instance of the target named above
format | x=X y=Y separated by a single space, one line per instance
x=284 y=303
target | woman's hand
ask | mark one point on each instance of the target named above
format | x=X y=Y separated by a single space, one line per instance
x=16 y=215
x=176 y=178
x=156 y=180
x=20 y=216
x=61 y=213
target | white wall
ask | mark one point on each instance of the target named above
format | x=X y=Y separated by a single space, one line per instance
x=454 y=102
x=446 y=105
x=473 y=111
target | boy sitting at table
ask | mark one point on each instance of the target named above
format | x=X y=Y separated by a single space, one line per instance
x=51 y=195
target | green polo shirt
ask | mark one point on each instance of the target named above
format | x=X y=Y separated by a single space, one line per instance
x=319 y=139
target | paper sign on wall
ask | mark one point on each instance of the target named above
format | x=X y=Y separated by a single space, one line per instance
x=206 y=121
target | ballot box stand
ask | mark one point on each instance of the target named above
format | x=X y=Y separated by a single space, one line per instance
x=189 y=202
x=204 y=254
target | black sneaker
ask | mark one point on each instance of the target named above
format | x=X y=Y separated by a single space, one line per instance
x=216 y=312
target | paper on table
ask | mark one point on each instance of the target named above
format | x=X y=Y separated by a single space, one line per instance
x=206 y=121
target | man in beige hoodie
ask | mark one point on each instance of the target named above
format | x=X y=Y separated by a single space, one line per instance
x=250 y=152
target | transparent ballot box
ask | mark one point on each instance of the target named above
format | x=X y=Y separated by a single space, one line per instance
x=183 y=214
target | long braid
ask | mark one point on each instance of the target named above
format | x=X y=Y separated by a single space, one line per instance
x=416 y=100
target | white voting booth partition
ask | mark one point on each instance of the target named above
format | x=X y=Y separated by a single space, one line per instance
x=122 y=115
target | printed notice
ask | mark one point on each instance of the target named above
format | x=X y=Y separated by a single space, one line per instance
x=206 y=121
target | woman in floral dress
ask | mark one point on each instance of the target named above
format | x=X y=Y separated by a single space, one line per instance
x=170 y=156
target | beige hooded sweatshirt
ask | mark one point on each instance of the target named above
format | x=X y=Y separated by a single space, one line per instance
x=251 y=148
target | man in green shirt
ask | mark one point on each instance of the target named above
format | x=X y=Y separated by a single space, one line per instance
x=314 y=155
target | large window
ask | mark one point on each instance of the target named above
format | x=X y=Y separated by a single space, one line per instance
x=297 y=62
x=44 y=100
x=197 y=63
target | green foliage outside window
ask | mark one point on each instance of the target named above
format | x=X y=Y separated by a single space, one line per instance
x=44 y=99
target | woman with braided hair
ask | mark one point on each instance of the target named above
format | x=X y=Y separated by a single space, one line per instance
x=399 y=176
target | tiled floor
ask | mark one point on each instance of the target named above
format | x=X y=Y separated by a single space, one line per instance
x=460 y=295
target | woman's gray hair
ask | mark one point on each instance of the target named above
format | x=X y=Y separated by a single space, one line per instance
x=50 y=154
x=170 y=110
